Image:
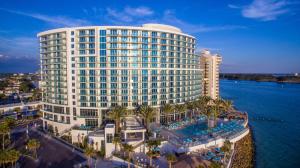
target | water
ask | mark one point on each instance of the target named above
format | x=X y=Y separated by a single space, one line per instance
x=274 y=114
x=192 y=129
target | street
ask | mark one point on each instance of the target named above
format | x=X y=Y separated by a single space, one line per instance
x=50 y=154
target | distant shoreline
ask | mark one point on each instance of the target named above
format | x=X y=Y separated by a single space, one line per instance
x=262 y=78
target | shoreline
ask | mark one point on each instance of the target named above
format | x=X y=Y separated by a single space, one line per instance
x=244 y=149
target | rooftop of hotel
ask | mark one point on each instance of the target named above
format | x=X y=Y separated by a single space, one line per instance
x=148 y=26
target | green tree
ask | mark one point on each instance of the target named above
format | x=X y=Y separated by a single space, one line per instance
x=152 y=144
x=147 y=114
x=171 y=158
x=10 y=122
x=2 y=96
x=128 y=149
x=116 y=141
x=116 y=114
x=227 y=105
x=180 y=108
x=4 y=130
x=191 y=107
x=17 y=109
x=214 y=165
x=226 y=147
x=167 y=109
x=33 y=145
x=26 y=86
x=89 y=153
x=9 y=156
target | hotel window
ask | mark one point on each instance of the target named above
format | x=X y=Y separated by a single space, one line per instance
x=144 y=33
x=103 y=46
x=81 y=51
x=102 y=39
x=92 y=92
x=91 y=32
x=109 y=138
x=154 y=40
x=92 y=39
x=82 y=39
x=102 y=32
x=91 y=122
x=113 y=32
x=88 y=112
x=124 y=32
x=134 y=33
x=134 y=39
x=92 y=45
x=154 y=34
x=102 y=52
x=144 y=46
x=82 y=32
x=145 y=40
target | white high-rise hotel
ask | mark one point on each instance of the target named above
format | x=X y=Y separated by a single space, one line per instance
x=87 y=70
x=210 y=64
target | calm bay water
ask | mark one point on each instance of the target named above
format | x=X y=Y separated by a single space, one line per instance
x=274 y=114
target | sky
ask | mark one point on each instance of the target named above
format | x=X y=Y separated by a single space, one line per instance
x=253 y=36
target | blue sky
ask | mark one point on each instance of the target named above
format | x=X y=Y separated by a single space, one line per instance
x=254 y=36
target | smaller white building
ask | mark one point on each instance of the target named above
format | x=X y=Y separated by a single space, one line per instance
x=133 y=132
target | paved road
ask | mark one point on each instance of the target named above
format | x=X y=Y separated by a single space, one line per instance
x=51 y=153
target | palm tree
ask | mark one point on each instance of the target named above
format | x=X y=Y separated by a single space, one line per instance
x=33 y=145
x=171 y=158
x=152 y=144
x=167 y=109
x=180 y=108
x=227 y=105
x=191 y=107
x=13 y=156
x=147 y=114
x=116 y=141
x=218 y=103
x=128 y=149
x=10 y=122
x=4 y=130
x=116 y=114
x=89 y=153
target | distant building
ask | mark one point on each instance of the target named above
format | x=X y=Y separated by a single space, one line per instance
x=210 y=64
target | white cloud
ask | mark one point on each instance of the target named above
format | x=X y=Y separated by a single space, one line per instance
x=139 y=11
x=170 y=18
x=128 y=14
x=19 y=47
x=265 y=10
x=118 y=16
x=56 y=20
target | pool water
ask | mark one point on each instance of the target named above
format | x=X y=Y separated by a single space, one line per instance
x=192 y=129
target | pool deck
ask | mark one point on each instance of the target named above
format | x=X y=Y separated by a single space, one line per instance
x=200 y=141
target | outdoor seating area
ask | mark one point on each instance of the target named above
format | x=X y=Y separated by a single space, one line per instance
x=215 y=155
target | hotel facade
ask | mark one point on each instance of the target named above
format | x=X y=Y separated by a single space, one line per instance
x=85 y=71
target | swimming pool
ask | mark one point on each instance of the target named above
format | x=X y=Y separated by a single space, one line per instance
x=223 y=128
